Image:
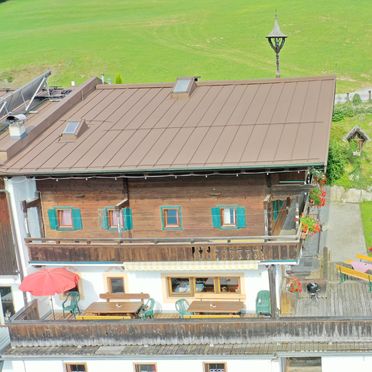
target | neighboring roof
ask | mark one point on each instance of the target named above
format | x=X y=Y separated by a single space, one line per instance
x=196 y=350
x=354 y=131
x=221 y=125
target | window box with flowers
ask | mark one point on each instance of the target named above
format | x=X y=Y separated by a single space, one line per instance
x=309 y=226
x=295 y=285
x=317 y=197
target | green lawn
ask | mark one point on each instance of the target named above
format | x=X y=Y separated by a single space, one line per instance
x=366 y=209
x=338 y=131
x=157 y=40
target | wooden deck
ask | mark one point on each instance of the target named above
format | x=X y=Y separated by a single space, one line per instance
x=350 y=298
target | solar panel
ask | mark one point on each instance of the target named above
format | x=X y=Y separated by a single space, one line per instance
x=22 y=96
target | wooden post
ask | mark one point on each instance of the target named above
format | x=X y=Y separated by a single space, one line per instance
x=369 y=96
x=297 y=217
x=272 y=285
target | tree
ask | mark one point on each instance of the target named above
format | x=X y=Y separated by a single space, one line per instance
x=337 y=160
x=118 y=79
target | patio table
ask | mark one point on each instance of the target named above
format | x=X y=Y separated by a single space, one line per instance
x=216 y=307
x=102 y=308
x=361 y=266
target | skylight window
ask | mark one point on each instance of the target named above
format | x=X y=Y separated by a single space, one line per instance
x=73 y=129
x=184 y=85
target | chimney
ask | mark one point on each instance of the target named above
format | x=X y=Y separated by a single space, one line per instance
x=17 y=128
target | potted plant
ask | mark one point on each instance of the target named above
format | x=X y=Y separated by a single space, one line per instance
x=319 y=177
x=295 y=285
x=309 y=225
x=317 y=197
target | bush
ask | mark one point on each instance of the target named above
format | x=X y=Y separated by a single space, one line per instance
x=337 y=115
x=337 y=160
x=118 y=79
x=356 y=99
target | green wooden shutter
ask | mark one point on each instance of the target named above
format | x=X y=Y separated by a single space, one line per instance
x=76 y=219
x=128 y=219
x=104 y=219
x=216 y=217
x=240 y=218
x=53 y=221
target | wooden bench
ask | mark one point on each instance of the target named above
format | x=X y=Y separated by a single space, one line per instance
x=124 y=296
x=102 y=317
x=345 y=272
x=363 y=257
x=211 y=316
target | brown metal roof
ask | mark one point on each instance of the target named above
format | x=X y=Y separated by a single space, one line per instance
x=228 y=124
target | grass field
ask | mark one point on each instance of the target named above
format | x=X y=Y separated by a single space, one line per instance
x=158 y=40
x=366 y=210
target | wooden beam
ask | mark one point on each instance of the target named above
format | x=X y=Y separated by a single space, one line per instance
x=272 y=285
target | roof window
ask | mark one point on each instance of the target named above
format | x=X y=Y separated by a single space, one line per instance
x=184 y=85
x=73 y=129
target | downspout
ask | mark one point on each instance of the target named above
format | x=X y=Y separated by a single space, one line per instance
x=15 y=243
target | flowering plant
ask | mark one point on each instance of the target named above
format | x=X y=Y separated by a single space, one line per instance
x=317 y=197
x=309 y=225
x=295 y=286
x=319 y=176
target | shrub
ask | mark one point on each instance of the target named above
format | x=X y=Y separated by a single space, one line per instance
x=338 y=115
x=356 y=99
x=337 y=160
x=118 y=79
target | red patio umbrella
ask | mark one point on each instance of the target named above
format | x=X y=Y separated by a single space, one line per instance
x=48 y=282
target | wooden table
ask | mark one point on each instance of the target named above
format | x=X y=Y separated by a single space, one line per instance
x=102 y=308
x=216 y=307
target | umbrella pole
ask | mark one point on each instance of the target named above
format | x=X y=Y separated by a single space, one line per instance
x=51 y=301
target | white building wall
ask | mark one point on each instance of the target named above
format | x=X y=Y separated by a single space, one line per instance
x=13 y=282
x=179 y=365
x=346 y=363
x=93 y=282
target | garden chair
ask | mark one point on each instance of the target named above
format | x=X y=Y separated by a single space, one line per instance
x=182 y=306
x=147 y=310
x=71 y=303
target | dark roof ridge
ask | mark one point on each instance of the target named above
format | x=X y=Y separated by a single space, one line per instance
x=218 y=82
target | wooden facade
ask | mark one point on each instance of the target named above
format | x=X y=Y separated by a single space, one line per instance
x=8 y=261
x=195 y=195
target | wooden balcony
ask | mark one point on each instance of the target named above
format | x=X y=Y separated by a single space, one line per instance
x=258 y=248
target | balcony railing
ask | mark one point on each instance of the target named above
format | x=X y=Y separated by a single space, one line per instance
x=258 y=248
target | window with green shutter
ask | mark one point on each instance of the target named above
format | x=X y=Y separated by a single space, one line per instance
x=111 y=219
x=227 y=217
x=65 y=218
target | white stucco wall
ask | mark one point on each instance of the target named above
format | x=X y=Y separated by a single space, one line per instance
x=346 y=363
x=93 y=282
x=13 y=282
x=179 y=365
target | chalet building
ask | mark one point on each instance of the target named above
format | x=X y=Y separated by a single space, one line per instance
x=183 y=191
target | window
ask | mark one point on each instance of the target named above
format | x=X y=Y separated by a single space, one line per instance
x=115 y=217
x=115 y=284
x=73 y=129
x=191 y=286
x=7 y=302
x=179 y=286
x=229 y=285
x=65 y=218
x=228 y=217
x=215 y=367
x=111 y=216
x=81 y=367
x=145 y=367
x=205 y=285
x=171 y=218
x=184 y=85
